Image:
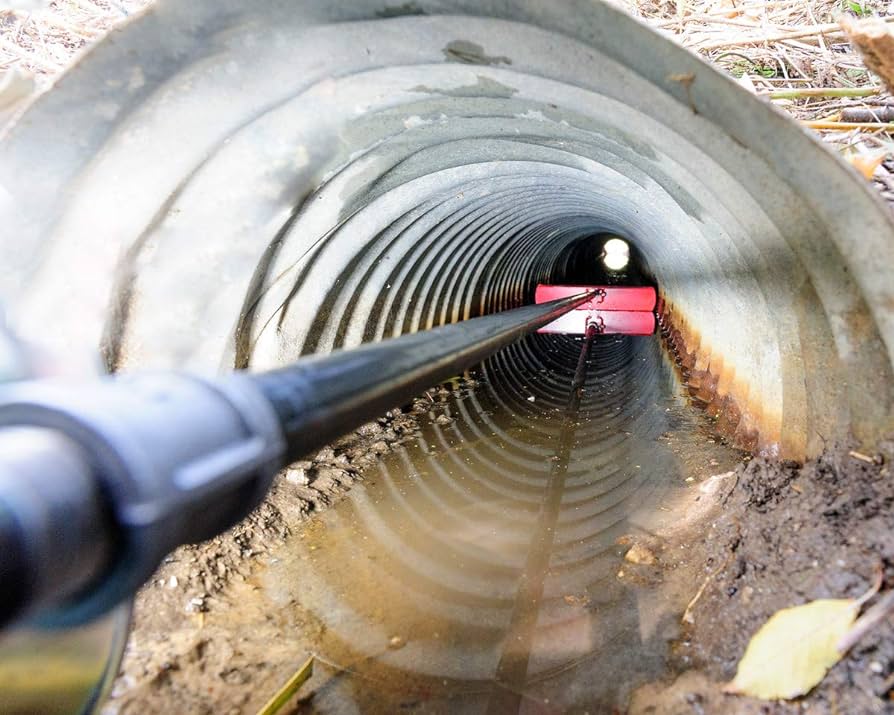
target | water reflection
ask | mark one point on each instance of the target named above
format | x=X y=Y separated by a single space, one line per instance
x=418 y=579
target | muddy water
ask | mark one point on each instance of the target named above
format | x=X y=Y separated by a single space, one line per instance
x=446 y=583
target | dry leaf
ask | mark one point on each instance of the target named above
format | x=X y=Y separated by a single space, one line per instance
x=794 y=649
x=866 y=164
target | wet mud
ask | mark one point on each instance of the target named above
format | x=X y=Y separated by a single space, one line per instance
x=789 y=534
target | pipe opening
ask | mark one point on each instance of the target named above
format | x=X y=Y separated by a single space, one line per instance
x=603 y=259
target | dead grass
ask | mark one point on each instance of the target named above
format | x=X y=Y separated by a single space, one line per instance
x=768 y=45
x=44 y=41
x=795 y=45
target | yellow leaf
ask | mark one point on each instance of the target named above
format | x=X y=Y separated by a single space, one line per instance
x=794 y=649
x=866 y=164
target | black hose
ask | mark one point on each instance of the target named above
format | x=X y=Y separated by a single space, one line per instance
x=99 y=481
x=319 y=399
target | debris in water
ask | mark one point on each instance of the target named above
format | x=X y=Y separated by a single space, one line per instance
x=573 y=600
x=285 y=693
x=639 y=554
x=396 y=643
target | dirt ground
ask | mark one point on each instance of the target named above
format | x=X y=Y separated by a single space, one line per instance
x=785 y=535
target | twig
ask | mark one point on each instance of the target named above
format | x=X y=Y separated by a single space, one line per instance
x=687 y=614
x=29 y=59
x=820 y=40
x=877 y=580
x=821 y=92
x=848 y=126
x=830 y=28
x=862 y=457
x=877 y=113
x=285 y=693
x=867 y=622
x=81 y=30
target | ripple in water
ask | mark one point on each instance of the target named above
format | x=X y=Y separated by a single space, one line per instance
x=421 y=579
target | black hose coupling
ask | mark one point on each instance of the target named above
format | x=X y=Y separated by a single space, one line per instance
x=99 y=481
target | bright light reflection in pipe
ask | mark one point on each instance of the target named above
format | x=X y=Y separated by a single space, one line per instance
x=616 y=254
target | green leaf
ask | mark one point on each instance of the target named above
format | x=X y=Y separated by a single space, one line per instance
x=794 y=649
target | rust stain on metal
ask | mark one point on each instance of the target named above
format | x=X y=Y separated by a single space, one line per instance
x=738 y=416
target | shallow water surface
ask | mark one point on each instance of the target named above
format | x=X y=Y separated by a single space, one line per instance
x=481 y=568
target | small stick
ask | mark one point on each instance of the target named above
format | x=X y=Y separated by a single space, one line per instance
x=878 y=113
x=821 y=92
x=273 y=706
x=867 y=622
x=687 y=614
x=29 y=59
x=830 y=28
x=847 y=126
x=820 y=40
x=865 y=457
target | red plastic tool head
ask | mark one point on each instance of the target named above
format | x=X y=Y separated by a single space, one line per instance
x=615 y=310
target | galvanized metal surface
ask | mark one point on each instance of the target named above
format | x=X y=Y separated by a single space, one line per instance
x=227 y=183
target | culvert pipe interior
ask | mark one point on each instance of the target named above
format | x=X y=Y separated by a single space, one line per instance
x=240 y=184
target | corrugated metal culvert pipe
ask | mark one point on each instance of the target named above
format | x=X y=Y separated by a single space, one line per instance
x=227 y=183
x=224 y=183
